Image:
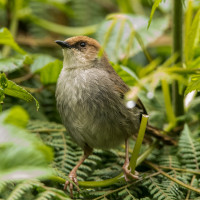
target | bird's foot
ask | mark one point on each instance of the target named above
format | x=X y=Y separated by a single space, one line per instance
x=73 y=177
x=127 y=173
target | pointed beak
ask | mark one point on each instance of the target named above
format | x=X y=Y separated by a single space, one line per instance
x=63 y=44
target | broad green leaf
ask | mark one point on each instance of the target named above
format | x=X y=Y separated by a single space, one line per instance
x=13 y=63
x=155 y=5
x=194 y=84
x=50 y=72
x=133 y=25
x=40 y=61
x=15 y=90
x=16 y=116
x=7 y=39
x=22 y=155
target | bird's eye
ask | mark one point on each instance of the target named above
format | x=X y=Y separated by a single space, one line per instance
x=82 y=44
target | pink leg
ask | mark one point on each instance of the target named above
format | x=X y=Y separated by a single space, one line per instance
x=72 y=174
x=127 y=172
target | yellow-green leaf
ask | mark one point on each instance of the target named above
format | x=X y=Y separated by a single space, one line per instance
x=49 y=73
x=155 y=5
x=16 y=116
x=6 y=38
x=194 y=84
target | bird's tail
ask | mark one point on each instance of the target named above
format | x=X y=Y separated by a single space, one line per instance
x=157 y=133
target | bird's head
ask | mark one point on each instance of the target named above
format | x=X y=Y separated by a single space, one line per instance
x=79 y=51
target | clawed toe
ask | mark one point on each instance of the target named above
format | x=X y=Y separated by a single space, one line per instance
x=127 y=174
x=73 y=178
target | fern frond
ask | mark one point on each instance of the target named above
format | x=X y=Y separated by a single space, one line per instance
x=46 y=195
x=169 y=161
x=3 y=184
x=66 y=152
x=165 y=190
x=194 y=183
x=52 y=193
x=173 y=188
x=189 y=150
x=126 y=194
x=21 y=189
x=25 y=190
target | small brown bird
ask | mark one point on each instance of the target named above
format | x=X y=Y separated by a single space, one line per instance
x=90 y=100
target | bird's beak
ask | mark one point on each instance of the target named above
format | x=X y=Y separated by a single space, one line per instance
x=63 y=44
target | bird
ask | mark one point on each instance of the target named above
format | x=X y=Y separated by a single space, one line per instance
x=91 y=101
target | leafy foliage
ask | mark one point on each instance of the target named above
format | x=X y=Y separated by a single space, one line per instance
x=7 y=39
x=50 y=72
x=14 y=63
x=127 y=34
x=194 y=84
x=26 y=162
x=28 y=169
x=12 y=89
x=100 y=166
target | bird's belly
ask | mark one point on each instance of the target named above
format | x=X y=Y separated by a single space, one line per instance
x=88 y=124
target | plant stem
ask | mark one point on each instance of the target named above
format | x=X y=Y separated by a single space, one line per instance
x=124 y=6
x=61 y=29
x=125 y=186
x=138 y=143
x=189 y=191
x=111 y=181
x=178 y=49
x=144 y=49
x=106 y=37
x=168 y=105
x=16 y=6
x=177 y=169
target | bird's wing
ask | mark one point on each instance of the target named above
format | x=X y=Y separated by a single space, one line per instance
x=122 y=88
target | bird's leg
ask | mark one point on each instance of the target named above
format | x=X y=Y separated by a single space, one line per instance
x=127 y=172
x=72 y=174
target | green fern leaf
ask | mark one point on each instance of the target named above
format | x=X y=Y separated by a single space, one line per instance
x=159 y=190
x=21 y=189
x=169 y=161
x=189 y=150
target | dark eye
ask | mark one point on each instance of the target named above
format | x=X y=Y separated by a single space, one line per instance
x=82 y=44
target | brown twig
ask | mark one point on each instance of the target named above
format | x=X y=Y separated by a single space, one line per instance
x=23 y=78
x=34 y=90
x=155 y=167
x=48 y=130
x=189 y=191
x=179 y=169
